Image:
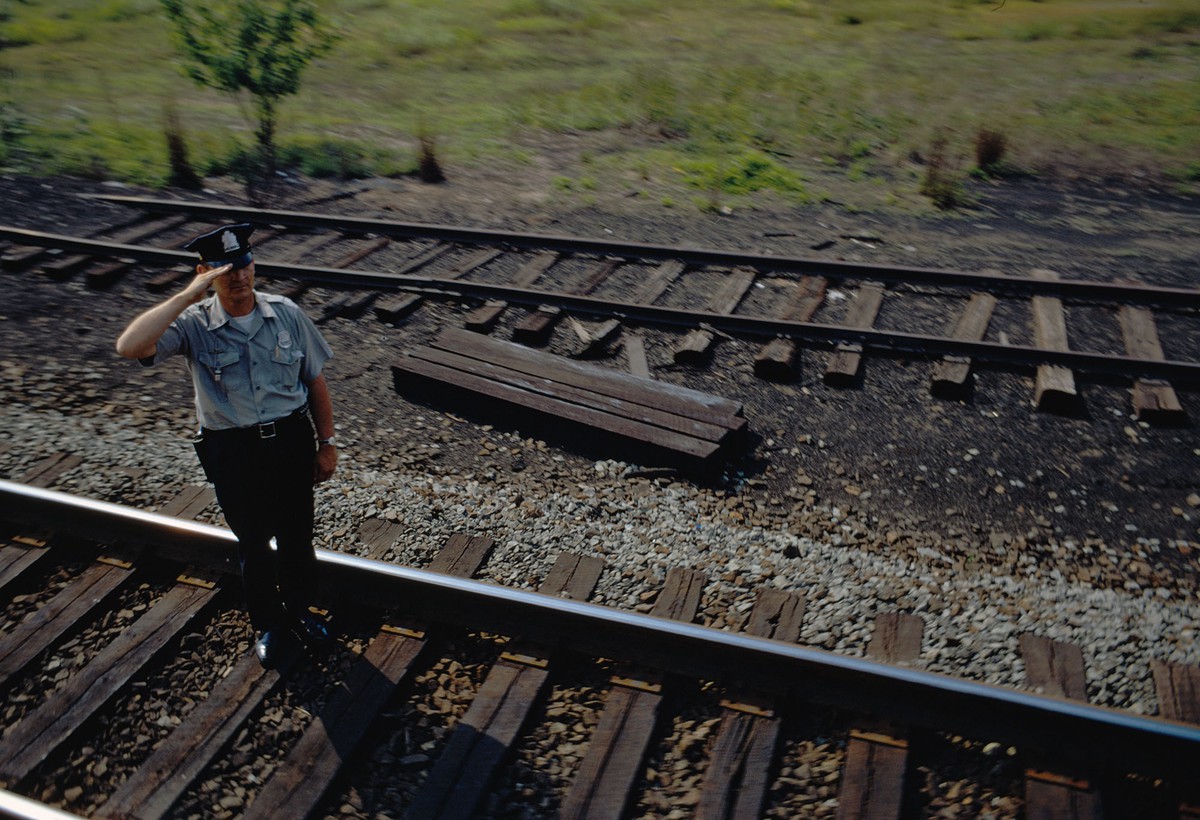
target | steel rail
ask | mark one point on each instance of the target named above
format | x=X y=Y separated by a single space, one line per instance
x=1181 y=372
x=15 y=807
x=1076 y=288
x=1097 y=735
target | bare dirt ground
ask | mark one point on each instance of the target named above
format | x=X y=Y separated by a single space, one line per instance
x=989 y=472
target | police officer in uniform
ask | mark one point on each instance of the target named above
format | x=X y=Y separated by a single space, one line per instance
x=256 y=365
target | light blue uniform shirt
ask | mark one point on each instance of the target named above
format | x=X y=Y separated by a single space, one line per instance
x=251 y=376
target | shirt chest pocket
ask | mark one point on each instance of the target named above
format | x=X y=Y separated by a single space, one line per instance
x=288 y=360
x=222 y=367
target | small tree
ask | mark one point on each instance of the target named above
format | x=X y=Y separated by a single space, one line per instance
x=251 y=47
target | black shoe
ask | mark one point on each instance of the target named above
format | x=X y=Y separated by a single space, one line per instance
x=311 y=630
x=268 y=648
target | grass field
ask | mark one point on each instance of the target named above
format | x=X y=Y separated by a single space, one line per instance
x=694 y=100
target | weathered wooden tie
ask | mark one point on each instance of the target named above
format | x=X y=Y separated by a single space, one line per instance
x=695 y=346
x=844 y=363
x=20 y=257
x=635 y=355
x=38 y=734
x=647 y=293
x=137 y=230
x=535 y=327
x=1154 y=400
x=872 y=784
x=463 y=772
x=297 y=287
x=615 y=755
x=950 y=375
x=103 y=273
x=379 y=535
x=395 y=308
x=67 y=609
x=685 y=422
x=1055 y=388
x=348 y=304
x=190 y=502
x=484 y=318
x=1178 y=690
x=1057 y=669
x=47 y=471
x=736 y=780
x=777 y=358
x=19 y=553
x=297 y=786
x=24 y=549
x=151 y=791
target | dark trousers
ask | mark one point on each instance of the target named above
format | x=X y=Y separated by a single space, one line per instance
x=265 y=489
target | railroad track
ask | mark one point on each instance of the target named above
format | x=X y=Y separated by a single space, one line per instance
x=129 y=691
x=957 y=321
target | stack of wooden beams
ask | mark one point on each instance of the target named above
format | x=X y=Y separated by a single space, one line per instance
x=660 y=420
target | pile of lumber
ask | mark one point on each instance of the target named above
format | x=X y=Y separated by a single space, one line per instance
x=541 y=391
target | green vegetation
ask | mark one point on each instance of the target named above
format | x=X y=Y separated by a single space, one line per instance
x=693 y=101
x=252 y=49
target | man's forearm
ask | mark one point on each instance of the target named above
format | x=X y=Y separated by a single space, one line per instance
x=140 y=338
x=321 y=407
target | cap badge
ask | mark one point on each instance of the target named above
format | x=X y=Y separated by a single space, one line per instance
x=230 y=241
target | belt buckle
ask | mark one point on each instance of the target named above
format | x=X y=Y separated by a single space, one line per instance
x=266 y=430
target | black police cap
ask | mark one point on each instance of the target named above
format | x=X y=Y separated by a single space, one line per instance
x=229 y=244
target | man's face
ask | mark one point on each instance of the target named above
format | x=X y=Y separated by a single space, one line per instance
x=236 y=284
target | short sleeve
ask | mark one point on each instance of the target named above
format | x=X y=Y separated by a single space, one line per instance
x=316 y=349
x=170 y=344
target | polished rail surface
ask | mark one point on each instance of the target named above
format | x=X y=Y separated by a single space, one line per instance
x=1181 y=372
x=1176 y=297
x=1092 y=734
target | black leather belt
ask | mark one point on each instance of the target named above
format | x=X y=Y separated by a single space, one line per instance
x=265 y=430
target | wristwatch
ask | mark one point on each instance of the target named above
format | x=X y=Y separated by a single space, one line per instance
x=331 y=440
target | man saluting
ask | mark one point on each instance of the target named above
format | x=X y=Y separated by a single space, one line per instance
x=256 y=364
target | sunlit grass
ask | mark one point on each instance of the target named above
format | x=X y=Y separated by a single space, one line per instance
x=860 y=87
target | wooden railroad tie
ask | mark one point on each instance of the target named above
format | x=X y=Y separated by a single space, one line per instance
x=396 y=308
x=535 y=327
x=736 y=780
x=484 y=318
x=35 y=737
x=694 y=348
x=87 y=593
x=872 y=784
x=1178 y=690
x=459 y=780
x=646 y=294
x=301 y=779
x=1154 y=400
x=951 y=374
x=20 y=552
x=1056 y=667
x=846 y=360
x=776 y=359
x=617 y=751
x=1055 y=388
x=678 y=423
